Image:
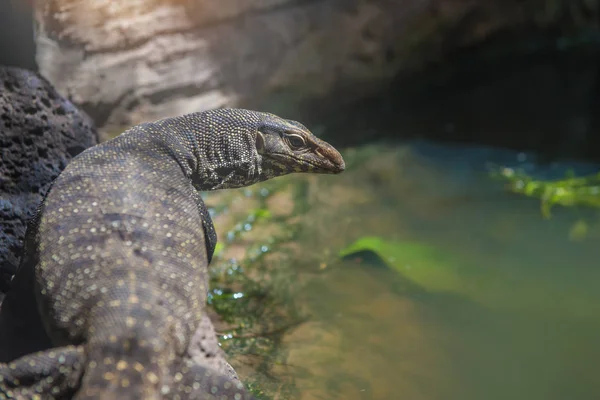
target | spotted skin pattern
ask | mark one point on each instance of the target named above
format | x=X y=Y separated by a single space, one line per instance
x=116 y=261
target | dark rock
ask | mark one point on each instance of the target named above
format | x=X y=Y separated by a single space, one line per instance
x=40 y=131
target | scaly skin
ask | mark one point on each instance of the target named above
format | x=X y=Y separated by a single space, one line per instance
x=116 y=263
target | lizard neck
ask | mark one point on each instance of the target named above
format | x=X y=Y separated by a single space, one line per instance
x=216 y=155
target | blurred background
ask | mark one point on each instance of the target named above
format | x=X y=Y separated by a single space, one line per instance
x=456 y=258
x=520 y=74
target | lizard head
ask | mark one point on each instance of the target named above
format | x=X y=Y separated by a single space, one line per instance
x=287 y=146
x=239 y=147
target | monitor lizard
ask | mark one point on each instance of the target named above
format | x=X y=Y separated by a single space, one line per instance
x=116 y=259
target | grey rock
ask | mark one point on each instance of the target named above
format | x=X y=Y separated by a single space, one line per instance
x=204 y=349
x=40 y=131
x=128 y=62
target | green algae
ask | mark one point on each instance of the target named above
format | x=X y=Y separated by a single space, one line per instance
x=252 y=294
x=441 y=272
x=568 y=192
x=424 y=265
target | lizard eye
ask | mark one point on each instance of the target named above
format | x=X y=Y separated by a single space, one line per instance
x=295 y=141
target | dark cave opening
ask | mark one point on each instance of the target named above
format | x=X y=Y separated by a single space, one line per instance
x=17 y=44
x=527 y=91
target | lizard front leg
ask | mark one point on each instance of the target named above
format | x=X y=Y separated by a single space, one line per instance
x=197 y=382
x=48 y=374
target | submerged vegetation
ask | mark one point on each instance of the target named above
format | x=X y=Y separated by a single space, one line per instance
x=442 y=272
x=568 y=192
x=571 y=191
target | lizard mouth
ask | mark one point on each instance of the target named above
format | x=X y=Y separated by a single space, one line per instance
x=321 y=164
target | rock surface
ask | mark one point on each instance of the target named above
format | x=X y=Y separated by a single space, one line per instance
x=40 y=131
x=126 y=62
x=204 y=349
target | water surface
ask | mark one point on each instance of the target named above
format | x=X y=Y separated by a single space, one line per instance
x=373 y=334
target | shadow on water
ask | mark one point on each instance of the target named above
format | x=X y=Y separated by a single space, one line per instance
x=530 y=329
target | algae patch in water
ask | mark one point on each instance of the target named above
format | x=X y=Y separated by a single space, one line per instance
x=438 y=271
x=251 y=284
x=568 y=192
x=422 y=264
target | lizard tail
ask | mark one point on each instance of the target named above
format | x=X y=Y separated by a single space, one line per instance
x=113 y=384
x=117 y=376
x=194 y=382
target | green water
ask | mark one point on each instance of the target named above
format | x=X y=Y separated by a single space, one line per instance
x=373 y=333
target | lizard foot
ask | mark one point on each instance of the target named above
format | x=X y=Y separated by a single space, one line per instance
x=48 y=374
x=196 y=382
